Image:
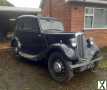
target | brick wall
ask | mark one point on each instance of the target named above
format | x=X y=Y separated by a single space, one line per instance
x=45 y=11
x=72 y=15
x=77 y=17
x=100 y=37
x=58 y=10
x=77 y=24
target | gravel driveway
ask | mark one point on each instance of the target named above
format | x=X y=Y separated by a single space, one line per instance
x=23 y=75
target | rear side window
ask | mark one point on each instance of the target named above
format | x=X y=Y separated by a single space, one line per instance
x=19 y=25
x=28 y=24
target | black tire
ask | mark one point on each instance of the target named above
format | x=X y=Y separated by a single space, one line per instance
x=65 y=74
x=95 y=64
x=16 y=49
x=94 y=68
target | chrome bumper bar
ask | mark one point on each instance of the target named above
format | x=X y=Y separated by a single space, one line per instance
x=84 y=63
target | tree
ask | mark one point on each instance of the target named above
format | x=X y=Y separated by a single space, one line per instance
x=5 y=3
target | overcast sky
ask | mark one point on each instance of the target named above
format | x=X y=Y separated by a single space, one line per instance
x=26 y=3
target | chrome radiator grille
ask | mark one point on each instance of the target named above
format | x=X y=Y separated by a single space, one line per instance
x=80 y=45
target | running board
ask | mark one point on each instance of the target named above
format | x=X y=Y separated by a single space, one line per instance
x=28 y=56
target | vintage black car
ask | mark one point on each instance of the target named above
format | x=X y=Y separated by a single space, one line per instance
x=43 y=38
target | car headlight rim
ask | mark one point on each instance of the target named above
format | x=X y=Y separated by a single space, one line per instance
x=91 y=41
x=73 y=42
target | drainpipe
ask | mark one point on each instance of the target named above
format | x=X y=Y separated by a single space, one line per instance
x=50 y=8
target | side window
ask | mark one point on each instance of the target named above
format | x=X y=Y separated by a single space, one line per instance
x=36 y=25
x=27 y=24
x=19 y=25
x=30 y=24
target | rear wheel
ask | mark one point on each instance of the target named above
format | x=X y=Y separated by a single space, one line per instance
x=16 y=49
x=58 y=67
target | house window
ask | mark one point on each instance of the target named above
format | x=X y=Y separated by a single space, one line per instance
x=95 y=18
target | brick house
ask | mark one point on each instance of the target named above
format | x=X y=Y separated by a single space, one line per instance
x=89 y=16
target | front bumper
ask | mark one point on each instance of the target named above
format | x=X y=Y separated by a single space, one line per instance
x=84 y=62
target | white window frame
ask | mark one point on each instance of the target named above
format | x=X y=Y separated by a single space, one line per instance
x=93 y=18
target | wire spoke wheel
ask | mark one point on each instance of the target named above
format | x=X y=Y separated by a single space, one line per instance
x=58 y=67
x=94 y=68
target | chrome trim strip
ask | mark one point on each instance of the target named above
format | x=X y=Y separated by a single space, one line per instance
x=87 y=62
x=76 y=35
x=27 y=56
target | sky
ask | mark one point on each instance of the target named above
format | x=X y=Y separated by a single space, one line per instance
x=25 y=3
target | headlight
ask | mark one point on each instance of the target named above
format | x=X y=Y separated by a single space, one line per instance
x=91 y=41
x=73 y=42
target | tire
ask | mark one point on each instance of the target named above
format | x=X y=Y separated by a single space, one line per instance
x=64 y=73
x=95 y=64
x=94 y=68
x=16 y=49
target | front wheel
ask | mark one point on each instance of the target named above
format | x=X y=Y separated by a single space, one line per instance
x=58 y=68
x=94 y=67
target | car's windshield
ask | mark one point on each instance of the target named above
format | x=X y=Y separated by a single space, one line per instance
x=49 y=25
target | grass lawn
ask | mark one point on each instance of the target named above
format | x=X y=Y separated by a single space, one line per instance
x=103 y=63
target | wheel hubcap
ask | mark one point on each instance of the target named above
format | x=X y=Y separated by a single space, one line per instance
x=57 y=67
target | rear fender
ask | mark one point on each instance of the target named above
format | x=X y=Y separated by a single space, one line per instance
x=15 y=41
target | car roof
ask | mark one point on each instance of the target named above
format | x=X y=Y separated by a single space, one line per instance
x=38 y=17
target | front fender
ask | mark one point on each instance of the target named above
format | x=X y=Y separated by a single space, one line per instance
x=69 y=52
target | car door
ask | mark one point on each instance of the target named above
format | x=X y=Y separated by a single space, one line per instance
x=31 y=39
x=38 y=39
